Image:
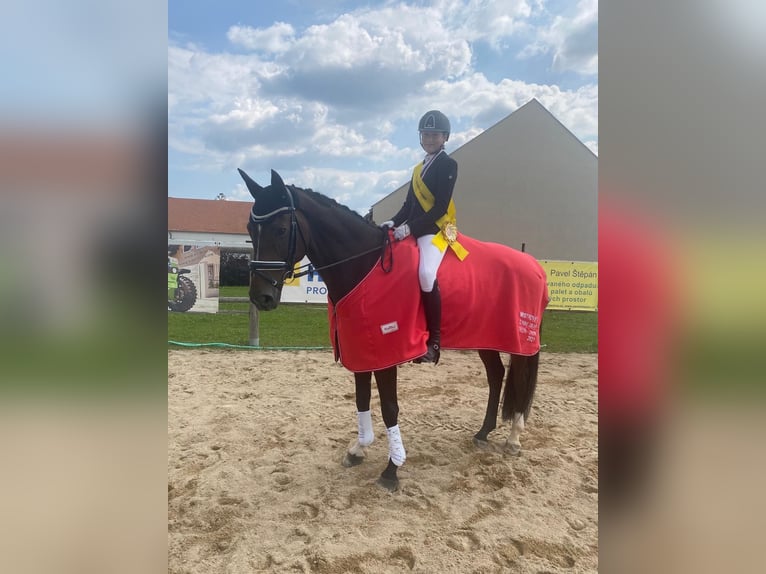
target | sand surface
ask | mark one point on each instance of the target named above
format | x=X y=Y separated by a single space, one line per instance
x=255 y=481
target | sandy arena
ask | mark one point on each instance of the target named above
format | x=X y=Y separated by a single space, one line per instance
x=255 y=482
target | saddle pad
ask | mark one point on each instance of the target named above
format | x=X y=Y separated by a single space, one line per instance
x=494 y=299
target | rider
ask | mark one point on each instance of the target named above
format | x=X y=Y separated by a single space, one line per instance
x=428 y=214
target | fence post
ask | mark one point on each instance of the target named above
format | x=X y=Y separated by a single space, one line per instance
x=254 y=338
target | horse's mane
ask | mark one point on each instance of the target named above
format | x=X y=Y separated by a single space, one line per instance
x=328 y=202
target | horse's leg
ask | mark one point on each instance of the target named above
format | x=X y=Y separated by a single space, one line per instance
x=495 y=371
x=356 y=453
x=519 y=392
x=386 y=381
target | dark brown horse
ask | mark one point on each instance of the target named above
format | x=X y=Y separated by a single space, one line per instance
x=288 y=223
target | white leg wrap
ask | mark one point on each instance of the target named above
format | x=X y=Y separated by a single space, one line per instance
x=366 y=434
x=395 y=447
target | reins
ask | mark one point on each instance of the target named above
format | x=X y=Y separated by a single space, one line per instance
x=386 y=244
x=288 y=265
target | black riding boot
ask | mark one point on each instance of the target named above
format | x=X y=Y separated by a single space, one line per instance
x=432 y=303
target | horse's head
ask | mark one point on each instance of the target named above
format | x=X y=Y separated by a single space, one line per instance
x=275 y=231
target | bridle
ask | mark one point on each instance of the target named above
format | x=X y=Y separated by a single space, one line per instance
x=287 y=266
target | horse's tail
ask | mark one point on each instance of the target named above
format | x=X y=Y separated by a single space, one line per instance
x=520 y=385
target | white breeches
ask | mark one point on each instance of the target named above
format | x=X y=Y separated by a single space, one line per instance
x=430 y=259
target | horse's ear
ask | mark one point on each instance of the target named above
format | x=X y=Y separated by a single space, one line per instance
x=252 y=186
x=276 y=181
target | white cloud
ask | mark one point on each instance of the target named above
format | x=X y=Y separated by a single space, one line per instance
x=571 y=41
x=316 y=102
x=485 y=102
x=340 y=141
x=274 y=39
x=401 y=37
x=366 y=60
x=197 y=77
x=246 y=114
x=479 y=20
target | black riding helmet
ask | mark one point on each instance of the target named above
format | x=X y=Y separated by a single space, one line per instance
x=434 y=121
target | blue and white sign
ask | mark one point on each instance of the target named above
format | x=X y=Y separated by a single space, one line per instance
x=307 y=289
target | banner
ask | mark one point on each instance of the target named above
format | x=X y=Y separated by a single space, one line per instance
x=193 y=278
x=572 y=285
x=307 y=289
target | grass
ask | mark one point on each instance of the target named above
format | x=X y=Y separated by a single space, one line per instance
x=290 y=325
x=570 y=332
x=305 y=325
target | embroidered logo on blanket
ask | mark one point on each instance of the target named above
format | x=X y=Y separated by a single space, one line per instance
x=391 y=327
x=529 y=326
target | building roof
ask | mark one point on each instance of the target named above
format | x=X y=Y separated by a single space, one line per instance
x=208 y=215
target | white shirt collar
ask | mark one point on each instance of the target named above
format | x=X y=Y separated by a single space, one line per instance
x=429 y=159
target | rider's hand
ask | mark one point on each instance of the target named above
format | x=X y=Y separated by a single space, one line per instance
x=386 y=224
x=401 y=232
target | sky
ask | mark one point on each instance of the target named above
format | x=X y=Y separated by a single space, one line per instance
x=329 y=92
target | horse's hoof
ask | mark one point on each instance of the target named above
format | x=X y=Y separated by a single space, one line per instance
x=513 y=449
x=390 y=484
x=480 y=443
x=352 y=460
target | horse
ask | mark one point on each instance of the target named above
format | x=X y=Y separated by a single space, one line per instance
x=287 y=223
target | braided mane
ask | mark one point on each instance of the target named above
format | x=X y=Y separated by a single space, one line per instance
x=328 y=202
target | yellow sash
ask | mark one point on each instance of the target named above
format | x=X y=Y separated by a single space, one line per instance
x=447 y=223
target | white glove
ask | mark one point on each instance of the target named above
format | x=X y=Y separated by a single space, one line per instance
x=386 y=224
x=401 y=232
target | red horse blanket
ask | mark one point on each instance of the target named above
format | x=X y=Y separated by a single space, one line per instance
x=494 y=299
